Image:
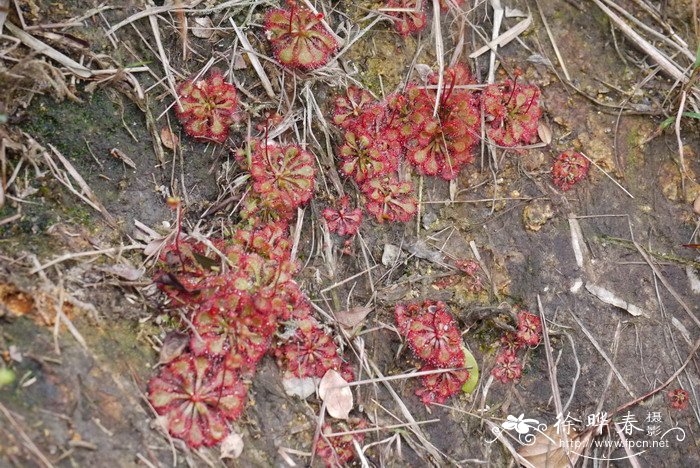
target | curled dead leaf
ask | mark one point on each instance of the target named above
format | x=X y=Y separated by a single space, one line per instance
x=169 y=139
x=352 y=317
x=545 y=133
x=231 y=446
x=173 y=346
x=547 y=449
x=335 y=392
x=696 y=205
x=203 y=28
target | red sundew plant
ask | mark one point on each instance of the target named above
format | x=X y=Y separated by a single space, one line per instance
x=508 y=367
x=343 y=221
x=365 y=157
x=403 y=123
x=512 y=112
x=206 y=107
x=569 y=168
x=298 y=37
x=437 y=388
x=445 y=143
x=270 y=241
x=351 y=108
x=270 y=208
x=510 y=343
x=196 y=396
x=408 y=22
x=390 y=200
x=339 y=450
x=243 y=331
x=678 y=399
x=434 y=337
x=529 y=328
x=445 y=4
x=309 y=352
x=287 y=171
x=404 y=314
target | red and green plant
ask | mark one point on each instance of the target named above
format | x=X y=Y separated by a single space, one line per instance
x=529 y=328
x=344 y=221
x=206 y=107
x=388 y=199
x=356 y=108
x=364 y=156
x=433 y=336
x=309 y=352
x=339 y=450
x=408 y=22
x=569 y=168
x=512 y=112
x=508 y=367
x=678 y=399
x=196 y=396
x=285 y=170
x=445 y=142
x=298 y=37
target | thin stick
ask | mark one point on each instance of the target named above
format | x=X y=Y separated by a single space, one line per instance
x=603 y=354
x=554 y=43
x=380 y=428
x=27 y=441
x=70 y=256
x=257 y=66
x=608 y=175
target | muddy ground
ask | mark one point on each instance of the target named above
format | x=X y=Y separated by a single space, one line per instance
x=74 y=404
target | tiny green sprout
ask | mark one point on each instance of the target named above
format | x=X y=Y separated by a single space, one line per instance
x=7 y=376
x=473 y=368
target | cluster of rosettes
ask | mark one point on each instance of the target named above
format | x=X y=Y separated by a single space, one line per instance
x=434 y=338
x=207 y=107
x=512 y=112
x=508 y=367
x=412 y=17
x=283 y=180
x=298 y=37
x=468 y=277
x=437 y=141
x=234 y=293
x=569 y=168
x=339 y=450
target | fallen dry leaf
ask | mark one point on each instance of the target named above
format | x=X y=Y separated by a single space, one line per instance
x=545 y=133
x=611 y=298
x=231 y=446
x=302 y=388
x=173 y=345
x=547 y=450
x=336 y=393
x=169 y=139
x=352 y=317
x=204 y=27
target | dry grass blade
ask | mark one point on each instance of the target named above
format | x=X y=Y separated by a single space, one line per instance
x=45 y=49
x=31 y=446
x=669 y=67
x=603 y=354
x=552 y=370
x=257 y=66
x=86 y=194
x=504 y=38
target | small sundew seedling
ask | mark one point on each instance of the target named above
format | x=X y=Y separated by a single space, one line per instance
x=512 y=112
x=569 y=168
x=298 y=37
x=344 y=220
x=207 y=107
